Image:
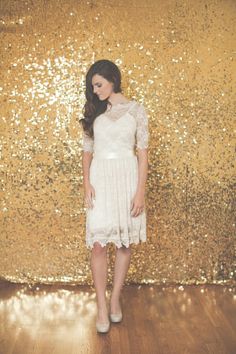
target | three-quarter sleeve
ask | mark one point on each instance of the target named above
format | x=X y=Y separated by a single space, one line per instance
x=142 y=133
x=88 y=143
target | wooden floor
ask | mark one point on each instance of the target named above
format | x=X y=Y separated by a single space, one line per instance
x=157 y=319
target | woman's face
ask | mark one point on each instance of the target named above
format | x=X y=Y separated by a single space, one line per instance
x=101 y=87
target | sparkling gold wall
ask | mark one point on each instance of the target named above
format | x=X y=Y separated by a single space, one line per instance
x=178 y=59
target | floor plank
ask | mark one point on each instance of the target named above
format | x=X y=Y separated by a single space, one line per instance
x=161 y=319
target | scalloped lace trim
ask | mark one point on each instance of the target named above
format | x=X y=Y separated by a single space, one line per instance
x=117 y=243
x=115 y=235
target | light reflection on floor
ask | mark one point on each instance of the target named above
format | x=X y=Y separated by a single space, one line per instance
x=66 y=313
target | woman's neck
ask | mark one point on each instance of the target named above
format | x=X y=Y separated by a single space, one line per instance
x=116 y=98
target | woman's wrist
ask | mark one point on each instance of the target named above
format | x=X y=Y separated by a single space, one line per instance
x=86 y=182
x=141 y=192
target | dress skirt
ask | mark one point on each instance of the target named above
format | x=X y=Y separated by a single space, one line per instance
x=115 y=181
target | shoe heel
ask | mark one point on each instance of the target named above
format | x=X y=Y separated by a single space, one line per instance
x=102 y=327
x=116 y=317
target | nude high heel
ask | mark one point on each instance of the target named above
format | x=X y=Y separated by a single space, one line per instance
x=102 y=327
x=116 y=317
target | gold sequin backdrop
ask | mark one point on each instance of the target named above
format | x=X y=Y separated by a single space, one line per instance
x=177 y=58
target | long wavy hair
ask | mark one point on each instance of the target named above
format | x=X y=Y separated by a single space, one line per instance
x=93 y=106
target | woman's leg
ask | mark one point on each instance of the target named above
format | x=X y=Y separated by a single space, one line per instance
x=99 y=272
x=122 y=263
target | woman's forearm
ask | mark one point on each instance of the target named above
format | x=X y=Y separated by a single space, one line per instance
x=142 y=170
x=86 y=162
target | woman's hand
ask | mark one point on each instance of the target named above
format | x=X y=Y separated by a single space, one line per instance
x=137 y=204
x=89 y=195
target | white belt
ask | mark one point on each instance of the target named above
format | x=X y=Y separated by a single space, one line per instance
x=113 y=155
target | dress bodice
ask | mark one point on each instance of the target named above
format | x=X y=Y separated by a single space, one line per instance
x=118 y=131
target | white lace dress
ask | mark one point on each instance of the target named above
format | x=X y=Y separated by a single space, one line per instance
x=114 y=175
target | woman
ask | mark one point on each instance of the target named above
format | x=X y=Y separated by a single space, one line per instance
x=114 y=180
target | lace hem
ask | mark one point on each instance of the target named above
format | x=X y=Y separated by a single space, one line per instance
x=117 y=235
x=117 y=243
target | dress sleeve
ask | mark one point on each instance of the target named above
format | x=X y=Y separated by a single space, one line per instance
x=87 y=143
x=142 y=133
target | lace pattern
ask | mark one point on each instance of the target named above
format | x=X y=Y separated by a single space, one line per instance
x=88 y=143
x=117 y=111
x=115 y=178
x=138 y=111
x=117 y=243
x=119 y=238
x=142 y=134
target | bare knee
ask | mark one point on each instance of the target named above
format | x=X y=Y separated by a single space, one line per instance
x=99 y=250
x=123 y=249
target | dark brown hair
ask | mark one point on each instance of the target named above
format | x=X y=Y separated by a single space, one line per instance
x=93 y=106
